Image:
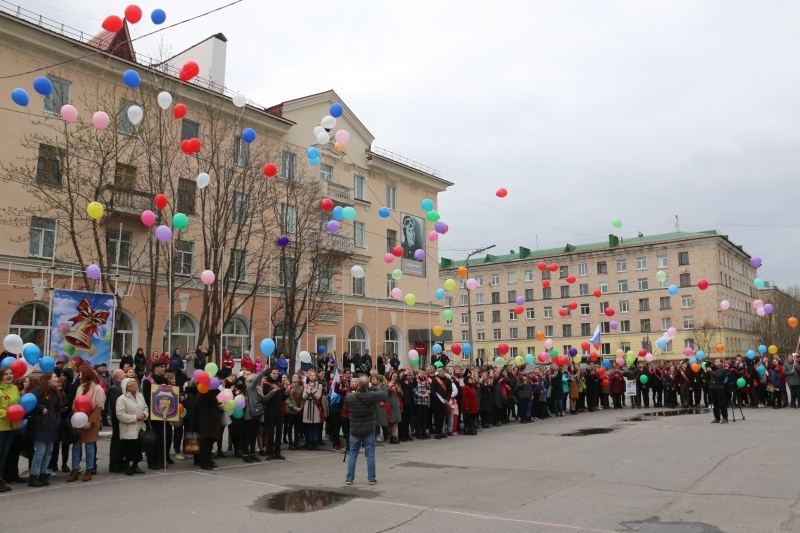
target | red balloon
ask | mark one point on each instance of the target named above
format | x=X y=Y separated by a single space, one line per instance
x=456 y=349
x=609 y=311
x=642 y=352
x=585 y=346
x=195 y=145
x=503 y=348
x=133 y=14
x=77 y=361
x=518 y=310
x=598 y=293
x=112 y=23
x=397 y=251
x=571 y=279
x=573 y=306
x=179 y=111
x=83 y=404
x=189 y=70
x=15 y=413
x=326 y=204
x=605 y=383
x=202 y=377
x=160 y=201
x=553 y=267
x=185 y=147
x=501 y=192
x=546 y=283
x=563 y=312
x=542 y=265
x=702 y=284
x=564 y=360
x=270 y=170
x=593 y=357
x=19 y=367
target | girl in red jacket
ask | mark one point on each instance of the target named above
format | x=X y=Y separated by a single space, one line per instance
x=227 y=363
x=469 y=406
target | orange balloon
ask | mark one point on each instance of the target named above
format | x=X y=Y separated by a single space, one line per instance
x=181 y=408
x=202 y=388
x=462 y=271
x=540 y=335
x=720 y=348
x=793 y=322
x=695 y=368
x=339 y=147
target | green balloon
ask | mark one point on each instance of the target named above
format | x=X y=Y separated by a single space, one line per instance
x=238 y=413
x=211 y=369
x=180 y=221
x=661 y=276
x=348 y=213
x=629 y=360
x=553 y=353
x=397 y=274
x=69 y=349
x=643 y=379
x=433 y=216
x=617 y=223
x=499 y=362
x=447 y=314
x=741 y=382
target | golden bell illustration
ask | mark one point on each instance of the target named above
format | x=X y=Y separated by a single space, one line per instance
x=85 y=323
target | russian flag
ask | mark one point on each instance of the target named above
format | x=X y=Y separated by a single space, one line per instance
x=595 y=340
x=332 y=395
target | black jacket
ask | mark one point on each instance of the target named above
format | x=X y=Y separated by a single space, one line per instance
x=408 y=384
x=445 y=390
x=146 y=386
x=125 y=359
x=113 y=395
x=47 y=425
x=362 y=410
x=718 y=376
x=274 y=394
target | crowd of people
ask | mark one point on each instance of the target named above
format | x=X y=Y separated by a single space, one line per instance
x=338 y=403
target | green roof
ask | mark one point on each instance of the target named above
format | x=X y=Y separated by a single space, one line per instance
x=574 y=249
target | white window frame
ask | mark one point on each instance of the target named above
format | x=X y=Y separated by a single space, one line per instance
x=185 y=258
x=288 y=218
x=666 y=323
x=357 y=287
x=663 y=262
x=643 y=284
x=548 y=312
x=624 y=306
x=688 y=320
x=687 y=298
x=479 y=298
x=495 y=279
x=359 y=187
x=497 y=334
x=241 y=208
x=530 y=314
x=238 y=265
x=37 y=227
x=583 y=269
x=325 y=172
x=288 y=165
x=586 y=308
x=512 y=278
x=479 y=279
x=358 y=234
x=641 y=263
x=480 y=318
x=465 y=318
x=391 y=197
x=603 y=286
x=529 y=275
x=622 y=265
x=464 y=300
x=622 y=285
x=583 y=289
x=50 y=98
x=481 y=334
x=513 y=333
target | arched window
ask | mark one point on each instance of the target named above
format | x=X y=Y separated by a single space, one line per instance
x=32 y=323
x=357 y=339
x=123 y=340
x=391 y=342
x=236 y=337
x=184 y=333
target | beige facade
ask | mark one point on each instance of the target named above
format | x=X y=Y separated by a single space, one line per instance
x=624 y=270
x=37 y=257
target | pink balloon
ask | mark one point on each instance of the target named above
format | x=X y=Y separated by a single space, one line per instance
x=758 y=304
x=148 y=218
x=100 y=120
x=69 y=113
x=472 y=284
x=688 y=352
x=648 y=357
x=548 y=344
x=388 y=258
x=672 y=332
x=413 y=354
x=433 y=236
x=620 y=361
x=397 y=294
x=342 y=136
x=760 y=311
x=207 y=277
x=724 y=305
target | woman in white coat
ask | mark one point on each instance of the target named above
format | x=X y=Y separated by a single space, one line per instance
x=131 y=413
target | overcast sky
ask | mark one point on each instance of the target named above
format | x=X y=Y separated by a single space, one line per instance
x=584 y=111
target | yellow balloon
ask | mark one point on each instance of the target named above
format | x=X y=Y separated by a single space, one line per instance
x=449 y=284
x=518 y=360
x=773 y=349
x=437 y=330
x=94 y=210
x=577 y=359
x=410 y=299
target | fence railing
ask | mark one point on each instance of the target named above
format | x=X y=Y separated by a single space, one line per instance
x=397 y=158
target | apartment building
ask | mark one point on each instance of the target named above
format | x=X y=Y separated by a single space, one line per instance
x=619 y=274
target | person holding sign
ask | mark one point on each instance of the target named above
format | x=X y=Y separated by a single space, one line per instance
x=131 y=412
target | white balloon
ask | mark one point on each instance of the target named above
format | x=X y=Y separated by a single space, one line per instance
x=79 y=420
x=203 y=180
x=164 y=100
x=13 y=343
x=318 y=130
x=328 y=122
x=135 y=114
x=323 y=138
x=305 y=357
x=356 y=272
x=239 y=100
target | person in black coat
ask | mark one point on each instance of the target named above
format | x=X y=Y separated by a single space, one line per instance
x=408 y=384
x=274 y=395
x=43 y=422
x=139 y=364
x=115 y=448
x=381 y=364
x=485 y=401
x=441 y=390
x=592 y=387
x=394 y=362
x=209 y=420
x=126 y=359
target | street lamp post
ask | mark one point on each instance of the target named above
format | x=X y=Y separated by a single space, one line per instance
x=469 y=300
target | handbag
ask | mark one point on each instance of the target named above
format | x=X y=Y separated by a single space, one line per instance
x=147 y=434
x=191 y=443
x=770 y=387
x=30 y=429
x=66 y=433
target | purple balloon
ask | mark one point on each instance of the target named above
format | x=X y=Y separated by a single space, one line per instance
x=440 y=227
x=419 y=255
x=283 y=241
x=333 y=226
x=755 y=261
x=573 y=352
x=163 y=233
x=768 y=309
x=240 y=403
x=196 y=371
x=213 y=383
x=520 y=300
x=612 y=325
x=93 y=271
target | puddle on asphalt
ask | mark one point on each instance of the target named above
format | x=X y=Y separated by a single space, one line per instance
x=670 y=527
x=305 y=500
x=644 y=417
x=591 y=431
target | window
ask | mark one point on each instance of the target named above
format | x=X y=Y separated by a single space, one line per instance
x=683 y=258
x=548 y=331
x=668 y=349
x=603 y=307
x=530 y=314
x=242 y=152
x=584 y=309
x=448 y=322
x=625 y=346
x=512 y=316
x=241 y=208
x=358 y=187
x=125 y=176
x=189 y=130
x=514 y=351
x=644 y=304
x=547 y=294
x=642 y=284
x=529 y=275
x=289 y=218
x=528 y=295
x=495 y=279
x=623 y=306
x=666 y=323
x=686 y=301
x=479 y=279
x=605 y=327
x=622 y=265
x=530 y=332
x=183 y=258
x=563 y=272
x=391 y=197
x=326 y=173
x=448 y=301
x=287 y=165
x=479 y=317
x=186 y=195
x=545 y=274
x=565 y=291
x=390 y=284
x=583 y=289
x=496 y=335
x=644 y=324
x=665 y=303
x=358 y=234
x=603 y=286
x=465 y=336
x=481 y=335
x=59 y=97
x=602 y=268
x=605 y=348
x=391 y=240
x=464 y=300
x=548 y=312
x=495 y=316
x=119 y=247
x=495 y=297
x=124 y=125
x=586 y=329
x=641 y=263
x=688 y=343
x=512 y=277
x=123 y=340
x=465 y=318
x=625 y=326
x=567 y=309
x=358 y=288
x=688 y=322
x=512 y=296
x=48 y=170
x=513 y=333
x=479 y=299
x=583 y=269
x=238 y=267
x=686 y=280
x=662 y=261
x=42 y=241
x=566 y=330
x=622 y=285
x=664 y=284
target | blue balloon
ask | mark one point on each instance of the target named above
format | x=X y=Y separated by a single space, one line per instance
x=692 y=360
x=384 y=212
x=267 y=347
x=313 y=153
x=320 y=349
x=700 y=355
x=248 y=135
x=131 y=78
x=20 y=97
x=314 y=162
x=762 y=349
x=427 y=205
x=337 y=212
x=751 y=354
x=661 y=343
x=21 y=430
x=158 y=16
x=437 y=348
x=467 y=349
x=28 y=402
x=606 y=363
x=43 y=86
x=673 y=289
x=336 y=110
x=7 y=361
x=32 y=354
x=439 y=294
x=761 y=370
x=47 y=364
x=529 y=359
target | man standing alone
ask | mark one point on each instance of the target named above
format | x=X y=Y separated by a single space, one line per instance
x=716 y=389
x=362 y=426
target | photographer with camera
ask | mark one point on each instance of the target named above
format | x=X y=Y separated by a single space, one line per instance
x=716 y=389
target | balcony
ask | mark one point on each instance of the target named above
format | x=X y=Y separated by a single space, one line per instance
x=340 y=194
x=334 y=242
x=128 y=202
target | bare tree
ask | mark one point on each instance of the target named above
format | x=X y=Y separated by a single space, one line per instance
x=706 y=335
x=774 y=329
